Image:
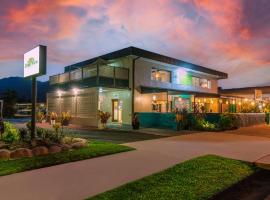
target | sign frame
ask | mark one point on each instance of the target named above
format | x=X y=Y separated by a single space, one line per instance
x=42 y=62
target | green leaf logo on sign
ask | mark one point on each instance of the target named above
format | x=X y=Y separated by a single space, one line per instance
x=31 y=61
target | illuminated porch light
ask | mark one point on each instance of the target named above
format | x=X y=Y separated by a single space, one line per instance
x=75 y=91
x=220 y=101
x=59 y=93
x=246 y=100
x=227 y=102
x=252 y=103
x=204 y=100
x=100 y=90
x=154 y=97
x=233 y=101
x=239 y=103
x=263 y=105
x=199 y=101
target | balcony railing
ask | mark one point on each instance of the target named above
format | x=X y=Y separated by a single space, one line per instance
x=91 y=76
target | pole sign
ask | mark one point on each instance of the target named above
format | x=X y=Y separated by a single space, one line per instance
x=35 y=62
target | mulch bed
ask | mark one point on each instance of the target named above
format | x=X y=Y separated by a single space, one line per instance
x=254 y=187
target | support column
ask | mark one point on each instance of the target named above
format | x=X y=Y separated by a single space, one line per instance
x=34 y=100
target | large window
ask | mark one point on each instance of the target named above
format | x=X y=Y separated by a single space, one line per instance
x=160 y=75
x=201 y=82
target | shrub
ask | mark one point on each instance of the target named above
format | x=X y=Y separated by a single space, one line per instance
x=23 y=132
x=199 y=123
x=227 y=121
x=11 y=133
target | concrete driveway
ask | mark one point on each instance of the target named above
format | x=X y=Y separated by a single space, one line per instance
x=82 y=179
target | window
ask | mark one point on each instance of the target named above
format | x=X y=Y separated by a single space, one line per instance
x=160 y=75
x=201 y=82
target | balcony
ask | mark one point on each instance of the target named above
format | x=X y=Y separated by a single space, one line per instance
x=92 y=76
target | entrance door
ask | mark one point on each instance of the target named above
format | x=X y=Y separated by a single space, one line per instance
x=115 y=110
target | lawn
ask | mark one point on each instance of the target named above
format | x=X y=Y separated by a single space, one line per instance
x=94 y=149
x=199 y=178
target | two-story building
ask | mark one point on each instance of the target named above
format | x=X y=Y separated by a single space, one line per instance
x=129 y=81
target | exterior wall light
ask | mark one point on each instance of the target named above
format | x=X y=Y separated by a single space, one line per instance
x=220 y=101
x=246 y=99
x=100 y=90
x=227 y=102
x=252 y=103
x=263 y=105
x=233 y=101
x=154 y=97
x=75 y=91
x=59 y=93
x=239 y=103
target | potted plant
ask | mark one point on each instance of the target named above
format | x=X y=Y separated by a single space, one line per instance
x=40 y=117
x=53 y=117
x=65 y=118
x=103 y=117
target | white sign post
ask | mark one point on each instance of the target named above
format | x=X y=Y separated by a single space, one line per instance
x=35 y=62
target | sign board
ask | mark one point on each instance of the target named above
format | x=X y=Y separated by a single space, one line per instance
x=258 y=95
x=35 y=62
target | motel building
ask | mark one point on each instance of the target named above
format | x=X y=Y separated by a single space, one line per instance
x=129 y=81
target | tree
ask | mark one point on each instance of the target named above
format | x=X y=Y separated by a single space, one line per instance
x=10 y=98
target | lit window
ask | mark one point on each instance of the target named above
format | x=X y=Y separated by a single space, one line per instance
x=160 y=75
x=201 y=82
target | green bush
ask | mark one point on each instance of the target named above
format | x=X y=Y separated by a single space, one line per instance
x=227 y=121
x=23 y=133
x=11 y=133
x=200 y=124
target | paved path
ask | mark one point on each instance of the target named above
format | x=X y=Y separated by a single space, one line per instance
x=82 y=179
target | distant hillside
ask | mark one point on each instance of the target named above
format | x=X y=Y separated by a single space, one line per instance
x=23 y=88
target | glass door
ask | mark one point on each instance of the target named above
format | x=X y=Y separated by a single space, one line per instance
x=115 y=110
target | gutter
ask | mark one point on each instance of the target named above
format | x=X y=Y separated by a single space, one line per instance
x=133 y=85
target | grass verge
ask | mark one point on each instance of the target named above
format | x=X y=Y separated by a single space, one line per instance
x=199 y=178
x=94 y=149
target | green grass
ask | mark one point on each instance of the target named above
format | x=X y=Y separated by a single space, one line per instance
x=199 y=178
x=94 y=149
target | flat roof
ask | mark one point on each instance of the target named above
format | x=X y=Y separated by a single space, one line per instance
x=149 y=55
x=245 y=90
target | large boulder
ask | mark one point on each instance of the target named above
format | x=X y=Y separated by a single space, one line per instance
x=65 y=147
x=75 y=140
x=21 y=153
x=55 y=149
x=78 y=145
x=40 y=150
x=4 y=154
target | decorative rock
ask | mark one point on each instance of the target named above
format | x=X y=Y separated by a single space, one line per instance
x=54 y=149
x=75 y=140
x=65 y=147
x=78 y=145
x=40 y=150
x=21 y=153
x=4 y=154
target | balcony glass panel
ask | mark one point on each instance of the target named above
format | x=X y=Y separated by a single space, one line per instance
x=53 y=79
x=64 y=77
x=106 y=71
x=90 y=71
x=76 y=74
x=121 y=73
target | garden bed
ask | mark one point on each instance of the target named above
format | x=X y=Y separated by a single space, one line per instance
x=199 y=178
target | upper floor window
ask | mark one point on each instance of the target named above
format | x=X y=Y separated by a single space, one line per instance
x=160 y=75
x=201 y=82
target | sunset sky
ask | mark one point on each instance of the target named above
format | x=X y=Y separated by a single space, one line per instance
x=227 y=35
